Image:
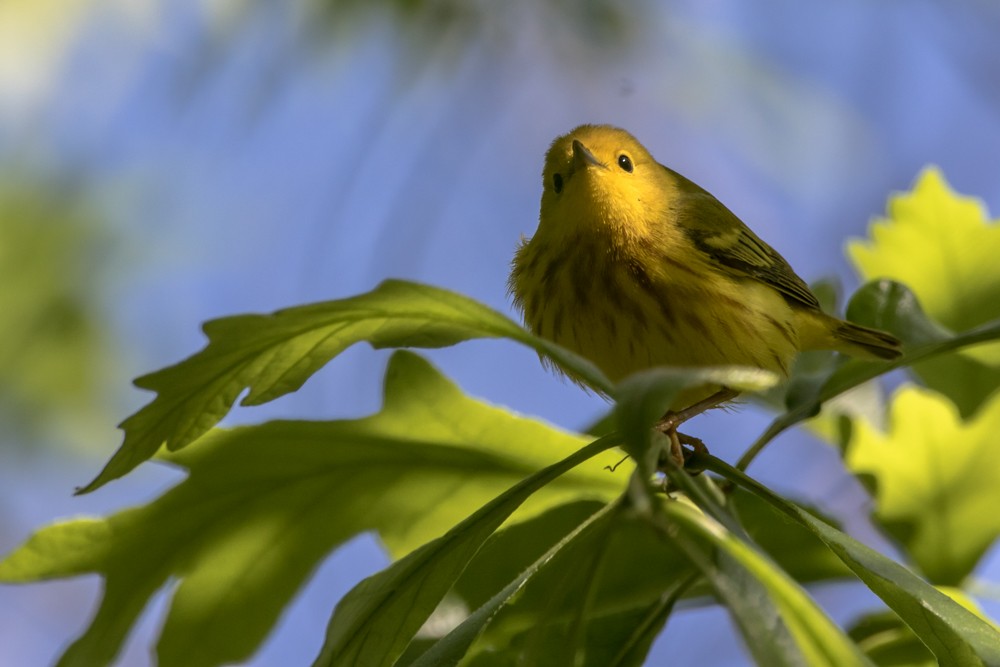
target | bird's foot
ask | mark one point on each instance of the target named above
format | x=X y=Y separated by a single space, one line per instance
x=670 y=421
x=684 y=457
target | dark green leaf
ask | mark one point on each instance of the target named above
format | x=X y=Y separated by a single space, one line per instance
x=780 y=623
x=957 y=637
x=374 y=622
x=602 y=599
x=889 y=642
x=965 y=379
x=634 y=592
x=510 y=551
x=792 y=546
x=581 y=552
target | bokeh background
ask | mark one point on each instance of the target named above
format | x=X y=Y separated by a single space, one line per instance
x=167 y=162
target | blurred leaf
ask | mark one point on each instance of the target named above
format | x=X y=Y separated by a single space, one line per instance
x=824 y=387
x=892 y=306
x=936 y=480
x=272 y=355
x=944 y=248
x=885 y=305
x=263 y=505
x=35 y=40
x=588 y=25
x=52 y=348
x=956 y=637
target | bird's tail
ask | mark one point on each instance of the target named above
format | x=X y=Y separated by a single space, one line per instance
x=819 y=331
x=865 y=342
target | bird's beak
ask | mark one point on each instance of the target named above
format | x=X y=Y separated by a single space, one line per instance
x=583 y=158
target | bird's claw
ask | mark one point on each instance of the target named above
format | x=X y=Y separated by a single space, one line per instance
x=684 y=457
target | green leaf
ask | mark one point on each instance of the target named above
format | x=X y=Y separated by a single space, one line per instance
x=944 y=248
x=626 y=601
x=632 y=595
x=956 y=637
x=600 y=600
x=962 y=377
x=796 y=550
x=263 y=505
x=580 y=551
x=936 y=480
x=853 y=373
x=374 y=622
x=508 y=552
x=511 y=550
x=892 y=306
x=54 y=359
x=885 y=305
x=272 y=355
x=780 y=623
x=643 y=397
x=891 y=643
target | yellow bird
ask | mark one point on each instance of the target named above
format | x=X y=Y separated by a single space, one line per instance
x=634 y=266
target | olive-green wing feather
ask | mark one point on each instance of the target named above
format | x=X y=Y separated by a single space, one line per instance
x=717 y=232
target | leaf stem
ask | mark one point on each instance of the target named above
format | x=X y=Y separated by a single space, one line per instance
x=837 y=385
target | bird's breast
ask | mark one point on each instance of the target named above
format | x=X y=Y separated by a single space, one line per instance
x=626 y=313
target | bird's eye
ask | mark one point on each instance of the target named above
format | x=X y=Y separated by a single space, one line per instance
x=557 y=183
x=625 y=162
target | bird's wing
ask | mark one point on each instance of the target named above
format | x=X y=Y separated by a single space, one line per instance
x=717 y=232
